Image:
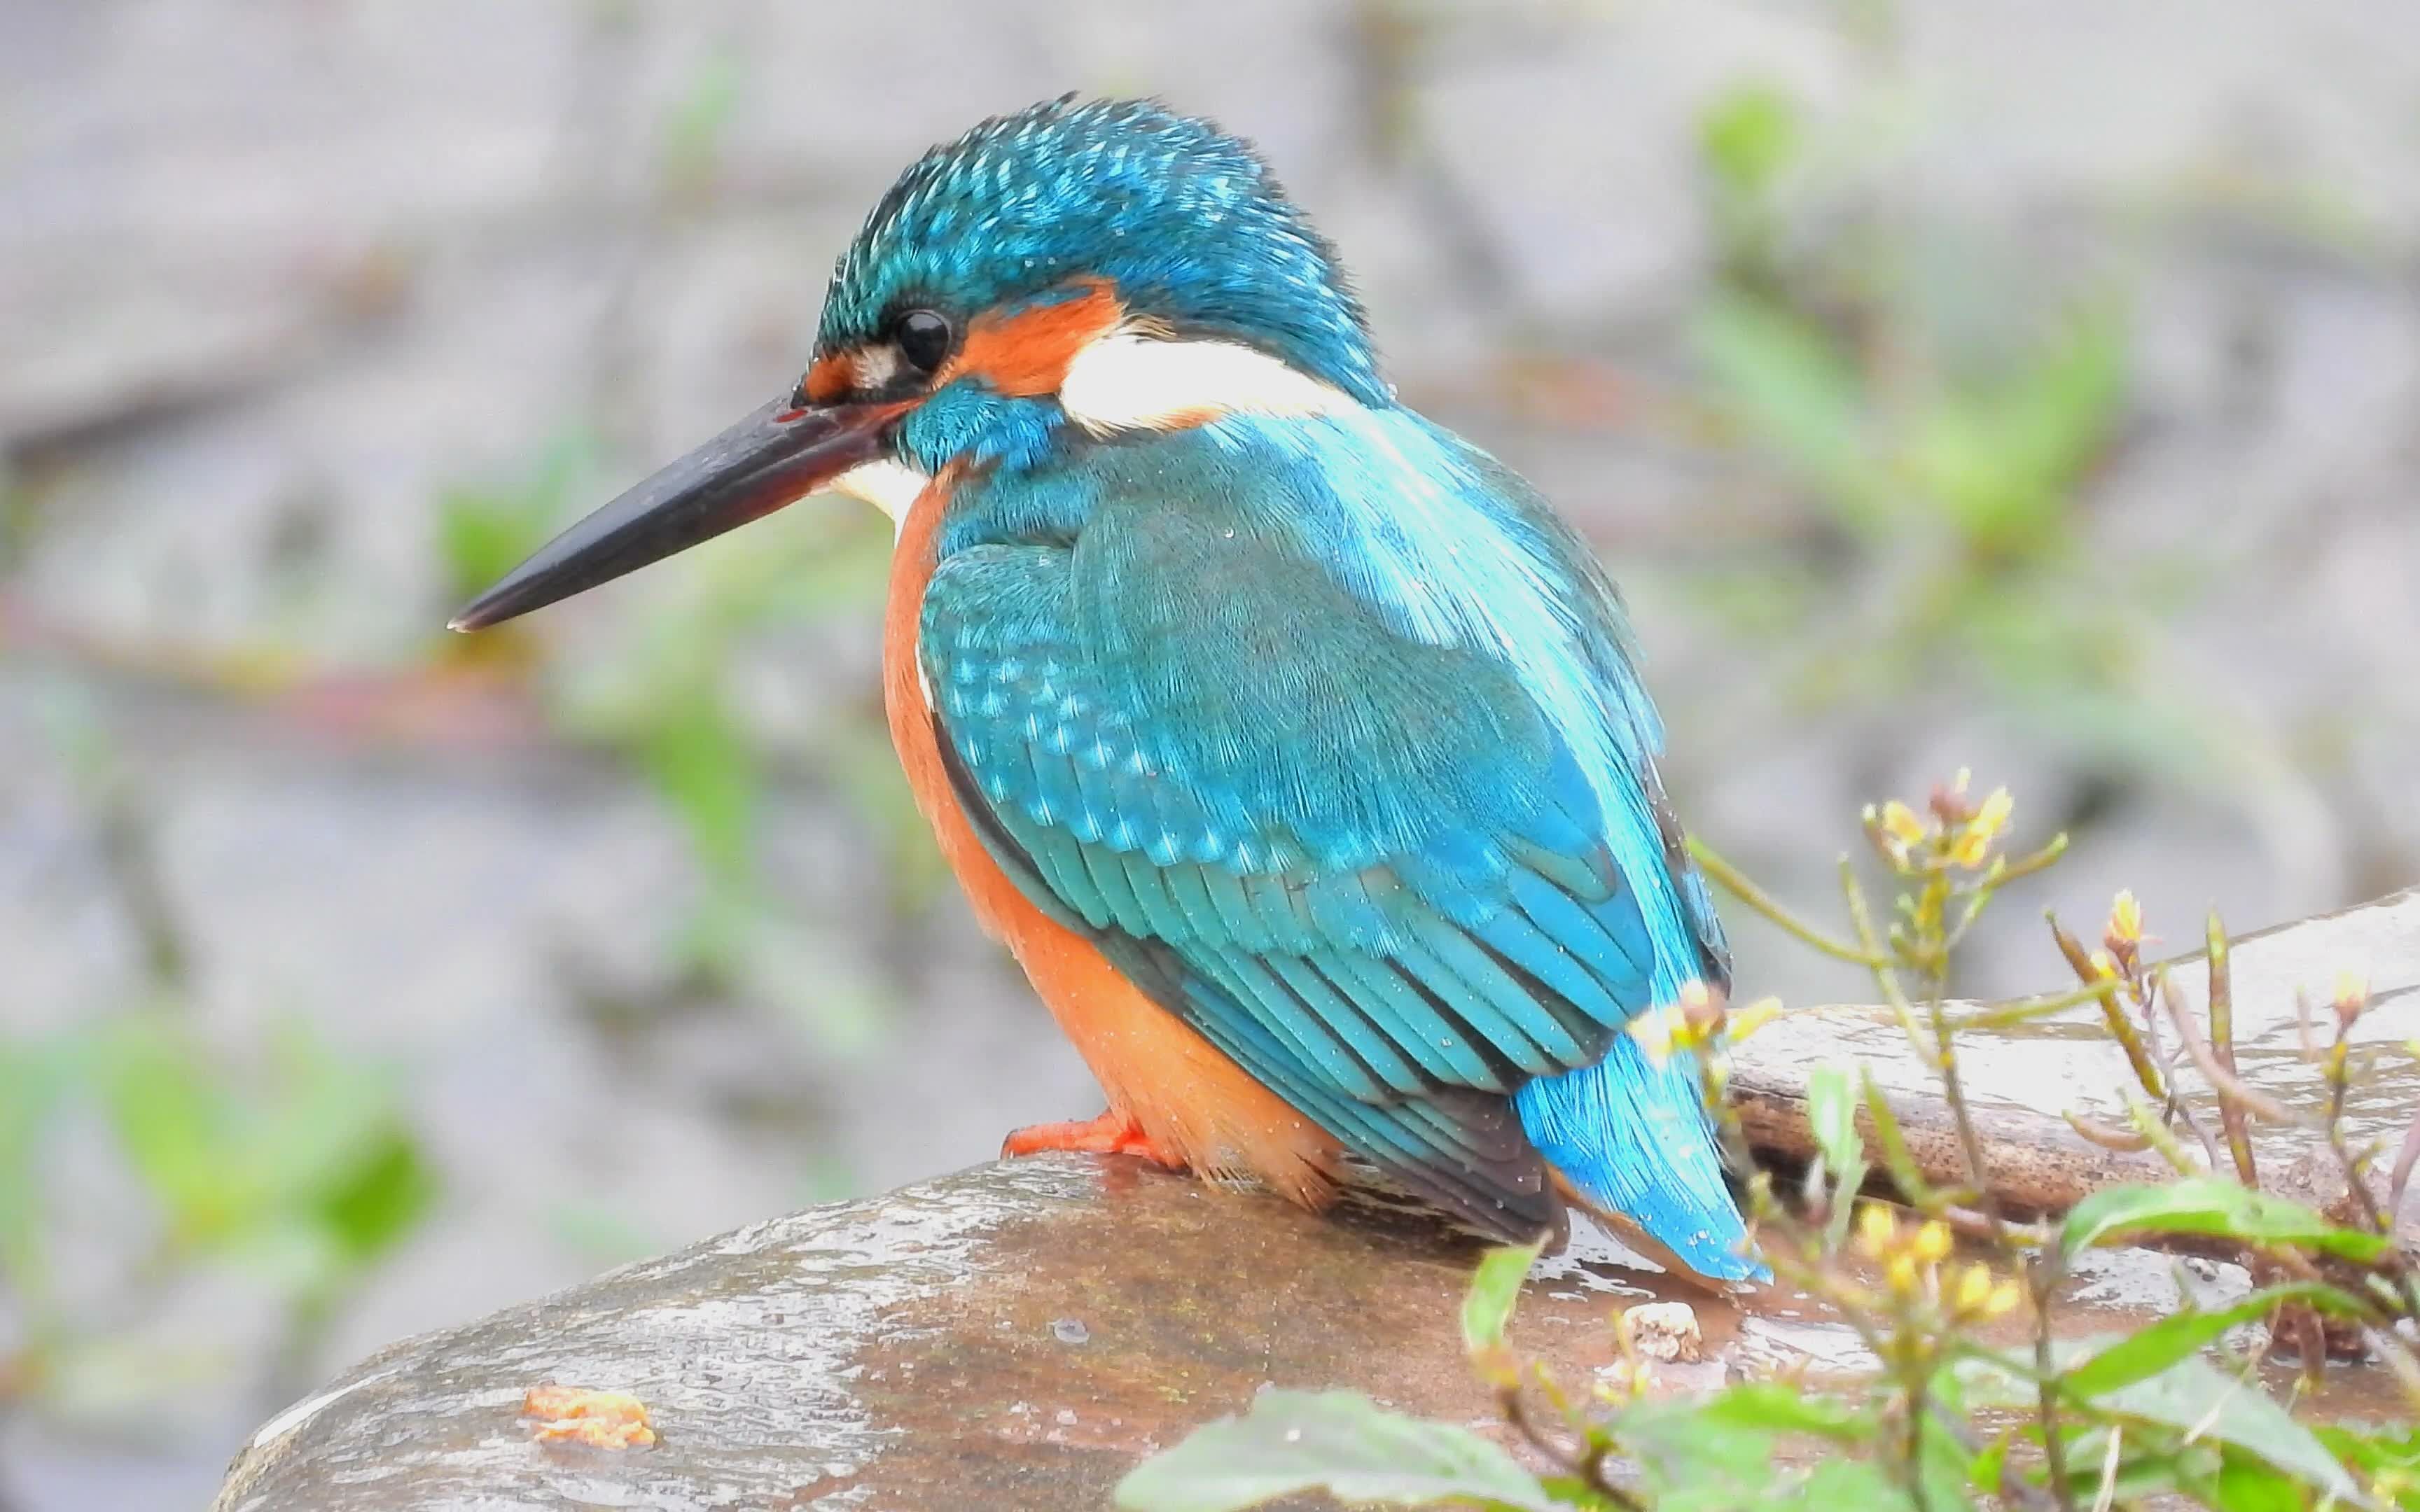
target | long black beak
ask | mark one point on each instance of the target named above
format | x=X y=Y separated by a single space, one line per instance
x=779 y=454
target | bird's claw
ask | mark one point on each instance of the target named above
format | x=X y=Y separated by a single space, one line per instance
x=1111 y=1133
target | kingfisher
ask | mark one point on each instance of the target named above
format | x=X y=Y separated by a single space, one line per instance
x=1291 y=742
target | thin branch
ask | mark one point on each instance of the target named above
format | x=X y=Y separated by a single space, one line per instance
x=1737 y=884
x=2121 y=1028
x=2225 y=1083
x=2106 y=1137
x=2024 y=1010
x=2222 y=1041
x=2400 y=1182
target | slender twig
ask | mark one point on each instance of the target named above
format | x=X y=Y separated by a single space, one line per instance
x=1885 y=975
x=1975 y=1225
x=2003 y=872
x=2405 y=1159
x=1736 y=882
x=2024 y=1010
x=1917 y=1401
x=2228 y=1084
x=2355 y=1166
x=2120 y=1028
x=2109 y=1469
x=2157 y=1134
x=2222 y=1042
x=2106 y=1137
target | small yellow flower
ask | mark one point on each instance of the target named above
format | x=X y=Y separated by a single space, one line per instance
x=1653 y=1030
x=1900 y=824
x=1972 y=846
x=1973 y=1289
x=1992 y=818
x=2002 y=1300
x=2351 y=994
x=2125 y=921
x=1877 y=1229
x=1754 y=1017
x=1899 y=1271
x=1701 y=1009
x=1931 y=1243
x=2104 y=965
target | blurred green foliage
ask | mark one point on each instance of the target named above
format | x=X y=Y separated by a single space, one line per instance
x=483 y=531
x=291 y=1164
x=272 y=1157
x=1942 y=460
x=660 y=694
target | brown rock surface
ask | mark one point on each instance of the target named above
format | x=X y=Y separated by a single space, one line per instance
x=1020 y=1335
x=1014 y=1335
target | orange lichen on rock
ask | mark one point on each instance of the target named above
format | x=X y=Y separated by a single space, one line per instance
x=599 y=1419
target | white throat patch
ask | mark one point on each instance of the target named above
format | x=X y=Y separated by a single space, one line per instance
x=888 y=485
x=1125 y=380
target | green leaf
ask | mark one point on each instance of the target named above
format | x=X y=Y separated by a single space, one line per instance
x=1785 y=379
x=482 y=531
x=1693 y=1461
x=2207 y=1205
x=1984 y=1470
x=2247 y=1484
x=1771 y=1407
x=2211 y=1406
x=2388 y=1453
x=1338 y=1442
x=1718 y=1455
x=1832 y=1113
x=2150 y=1350
x=1846 y=1486
x=390 y=1187
x=2001 y=458
x=1747 y=136
x=2191 y=1397
x=34 y=1075
x=1942 y=1462
x=703 y=764
x=1495 y=1287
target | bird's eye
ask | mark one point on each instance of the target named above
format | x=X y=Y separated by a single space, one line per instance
x=923 y=338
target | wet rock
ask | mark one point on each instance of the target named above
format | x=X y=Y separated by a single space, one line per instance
x=1021 y=1335
x=1665 y=1331
x=1015 y=1335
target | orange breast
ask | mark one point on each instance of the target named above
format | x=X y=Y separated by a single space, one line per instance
x=1187 y=1095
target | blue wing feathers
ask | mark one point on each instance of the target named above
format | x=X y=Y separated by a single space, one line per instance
x=1330 y=805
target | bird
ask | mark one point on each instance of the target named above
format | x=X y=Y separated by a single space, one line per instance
x=1292 y=745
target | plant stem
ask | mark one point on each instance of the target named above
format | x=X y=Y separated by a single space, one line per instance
x=2222 y=1044
x=1736 y=882
x=2104 y=991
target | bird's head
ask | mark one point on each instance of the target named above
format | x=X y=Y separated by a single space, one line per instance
x=1072 y=271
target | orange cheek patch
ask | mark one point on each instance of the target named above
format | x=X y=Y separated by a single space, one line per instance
x=1026 y=354
x=829 y=379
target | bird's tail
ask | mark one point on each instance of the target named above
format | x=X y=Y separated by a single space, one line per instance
x=1631 y=1142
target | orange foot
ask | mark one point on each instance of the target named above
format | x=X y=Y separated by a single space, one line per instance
x=1111 y=1133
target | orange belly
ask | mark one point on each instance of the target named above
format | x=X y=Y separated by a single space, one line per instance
x=1186 y=1095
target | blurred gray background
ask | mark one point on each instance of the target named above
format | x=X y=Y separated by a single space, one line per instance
x=2031 y=386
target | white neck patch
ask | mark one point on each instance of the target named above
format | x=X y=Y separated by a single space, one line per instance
x=1124 y=380
x=889 y=486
